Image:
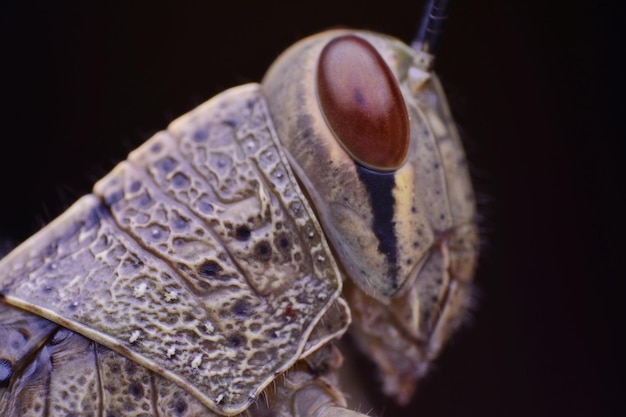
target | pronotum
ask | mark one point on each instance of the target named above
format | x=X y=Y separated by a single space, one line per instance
x=214 y=271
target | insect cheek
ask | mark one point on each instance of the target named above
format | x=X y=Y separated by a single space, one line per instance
x=413 y=233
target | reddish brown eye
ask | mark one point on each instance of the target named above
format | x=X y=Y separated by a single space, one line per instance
x=362 y=103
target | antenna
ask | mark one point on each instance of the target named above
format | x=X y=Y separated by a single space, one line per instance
x=431 y=28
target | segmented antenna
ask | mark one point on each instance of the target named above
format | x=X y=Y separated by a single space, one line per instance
x=431 y=28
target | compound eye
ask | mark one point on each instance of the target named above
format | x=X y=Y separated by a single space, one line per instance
x=362 y=103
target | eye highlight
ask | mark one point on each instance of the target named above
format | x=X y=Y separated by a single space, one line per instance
x=362 y=103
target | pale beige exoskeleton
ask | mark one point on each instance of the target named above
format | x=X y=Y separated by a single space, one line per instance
x=212 y=272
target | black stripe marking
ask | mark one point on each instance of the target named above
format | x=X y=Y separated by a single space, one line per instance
x=379 y=186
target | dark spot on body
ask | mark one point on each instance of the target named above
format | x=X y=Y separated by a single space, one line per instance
x=135 y=186
x=283 y=242
x=263 y=250
x=113 y=198
x=200 y=135
x=136 y=390
x=115 y=368
x=205 y=207
x=172 y=319
x=284 y=245
x=242 y=309
x=242 y=233
x=181 y=223
x=130 y=368
x=209 y=269
x=222 y=162
x=180 y=180
x=167 y=164
x=145 y=200
x=180 y=407
x=236 y=341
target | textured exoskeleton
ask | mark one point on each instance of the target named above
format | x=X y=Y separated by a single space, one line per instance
x=212 y=271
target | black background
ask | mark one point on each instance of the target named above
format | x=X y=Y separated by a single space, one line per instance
x=536 y=87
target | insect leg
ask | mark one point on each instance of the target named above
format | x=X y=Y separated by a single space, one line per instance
x=310 y=388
